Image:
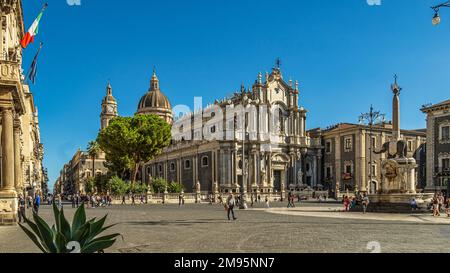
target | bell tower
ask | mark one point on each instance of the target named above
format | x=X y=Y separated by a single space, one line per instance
x=109 y=108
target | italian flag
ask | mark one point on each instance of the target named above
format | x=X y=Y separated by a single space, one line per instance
x=33 y=31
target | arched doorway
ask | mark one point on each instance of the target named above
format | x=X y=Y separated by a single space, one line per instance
x=374 y=187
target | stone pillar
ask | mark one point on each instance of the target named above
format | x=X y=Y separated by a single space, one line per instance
x=8 y=194
x=269 y=170
x=17 y=157
x=7 y=152
x=255 y=170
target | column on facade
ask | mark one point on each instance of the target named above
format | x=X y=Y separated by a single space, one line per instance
x=338 y=164
x=319 y=168
x=8 y=151
x=234 y=167
x=269 y=170
x=255 y=169
x=213 y=170
x=430 y=151
x=17 y=157
x=302 y=132
x=363 y=163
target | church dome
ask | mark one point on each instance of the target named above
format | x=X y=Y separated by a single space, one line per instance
x=155 y=102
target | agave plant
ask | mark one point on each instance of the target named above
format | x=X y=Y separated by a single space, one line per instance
x=81 y=237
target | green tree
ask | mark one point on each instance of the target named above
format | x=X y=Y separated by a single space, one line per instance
x=175 y=187
x=138 y=139
x=94 y=152
x=139 y=188
x=159 y=185
x=117 y=186
x=89 y=186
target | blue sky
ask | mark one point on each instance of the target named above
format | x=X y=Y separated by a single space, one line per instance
x=343 y=52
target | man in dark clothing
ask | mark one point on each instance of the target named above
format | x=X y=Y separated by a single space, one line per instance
x=77 y=200
x=73 y=201
x=37 y=203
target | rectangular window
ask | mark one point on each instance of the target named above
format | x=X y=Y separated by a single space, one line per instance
x=348 y=144
x=374 y=142
x=445 y=133
x=374 y=170
x=328 y=147
x=328 y=173
x=348 y=169
x=446 y=163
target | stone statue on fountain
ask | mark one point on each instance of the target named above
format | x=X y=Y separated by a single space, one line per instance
x=398 y=185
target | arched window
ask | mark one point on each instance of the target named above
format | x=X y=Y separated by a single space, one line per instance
x=187 y=164
x=205 y=161
x=172 y=167
x=281 y=120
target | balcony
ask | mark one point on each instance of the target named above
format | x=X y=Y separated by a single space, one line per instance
x=442 y=171
x=347 y=176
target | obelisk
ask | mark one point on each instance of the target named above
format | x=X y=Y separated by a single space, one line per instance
x=396 y=110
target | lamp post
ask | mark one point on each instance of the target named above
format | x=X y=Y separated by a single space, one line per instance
x=436 y=18
x=371 y=118
x=245 y=101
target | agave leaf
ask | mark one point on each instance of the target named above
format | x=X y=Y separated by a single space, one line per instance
x=107 y=237
x=46 y=233
x=81 y=233
x=34 y=228
x=65 y=226
x=97 y=246
x=96 y=228
x=57 y=215
x=108 y=227
x=33 y=238
x=79 y=219
x=60 y=242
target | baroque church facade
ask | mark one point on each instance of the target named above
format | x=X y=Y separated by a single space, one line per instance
x=261 y=130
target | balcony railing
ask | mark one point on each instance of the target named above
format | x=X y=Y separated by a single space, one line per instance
x=442 y=171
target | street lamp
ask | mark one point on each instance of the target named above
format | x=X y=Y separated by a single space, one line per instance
x=436 y=18
x=371 y=118
x=245 y=102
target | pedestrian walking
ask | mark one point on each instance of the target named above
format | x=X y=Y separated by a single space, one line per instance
x=267 y=202
x=132 y=200
x=251 y=200
x=365 y=203
x=436 y=212
x=22 y=204
x=231 y=202
x=346 y=203
x=73 y=201
x=447 y=207
x=123 y=200
x=37 y=203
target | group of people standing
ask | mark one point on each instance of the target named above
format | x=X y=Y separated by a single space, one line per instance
x=351 y=203
x=29 y=202
x=439 y=204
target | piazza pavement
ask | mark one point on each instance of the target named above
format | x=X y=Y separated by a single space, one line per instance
x=203 y=228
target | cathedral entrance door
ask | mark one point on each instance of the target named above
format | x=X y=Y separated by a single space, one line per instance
x=277 y=180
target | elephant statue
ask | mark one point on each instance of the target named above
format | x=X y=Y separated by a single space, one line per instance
x=394 y=149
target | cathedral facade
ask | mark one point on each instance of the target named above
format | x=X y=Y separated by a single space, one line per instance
x=261 y=130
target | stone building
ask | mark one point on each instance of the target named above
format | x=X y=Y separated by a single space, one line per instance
x=82 y=167
x=21 y=148
x=261 y=129
x=438 y=146
x=346 y=155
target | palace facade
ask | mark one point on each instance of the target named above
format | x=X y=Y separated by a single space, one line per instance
x=349 y=160
x=438 y=146
x=22 y=171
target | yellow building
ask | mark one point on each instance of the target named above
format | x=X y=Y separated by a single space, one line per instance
x=21 y=148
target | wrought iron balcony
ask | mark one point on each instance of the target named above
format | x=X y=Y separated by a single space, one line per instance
x=442 y=171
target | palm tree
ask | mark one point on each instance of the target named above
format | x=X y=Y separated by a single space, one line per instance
x=94 y=152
